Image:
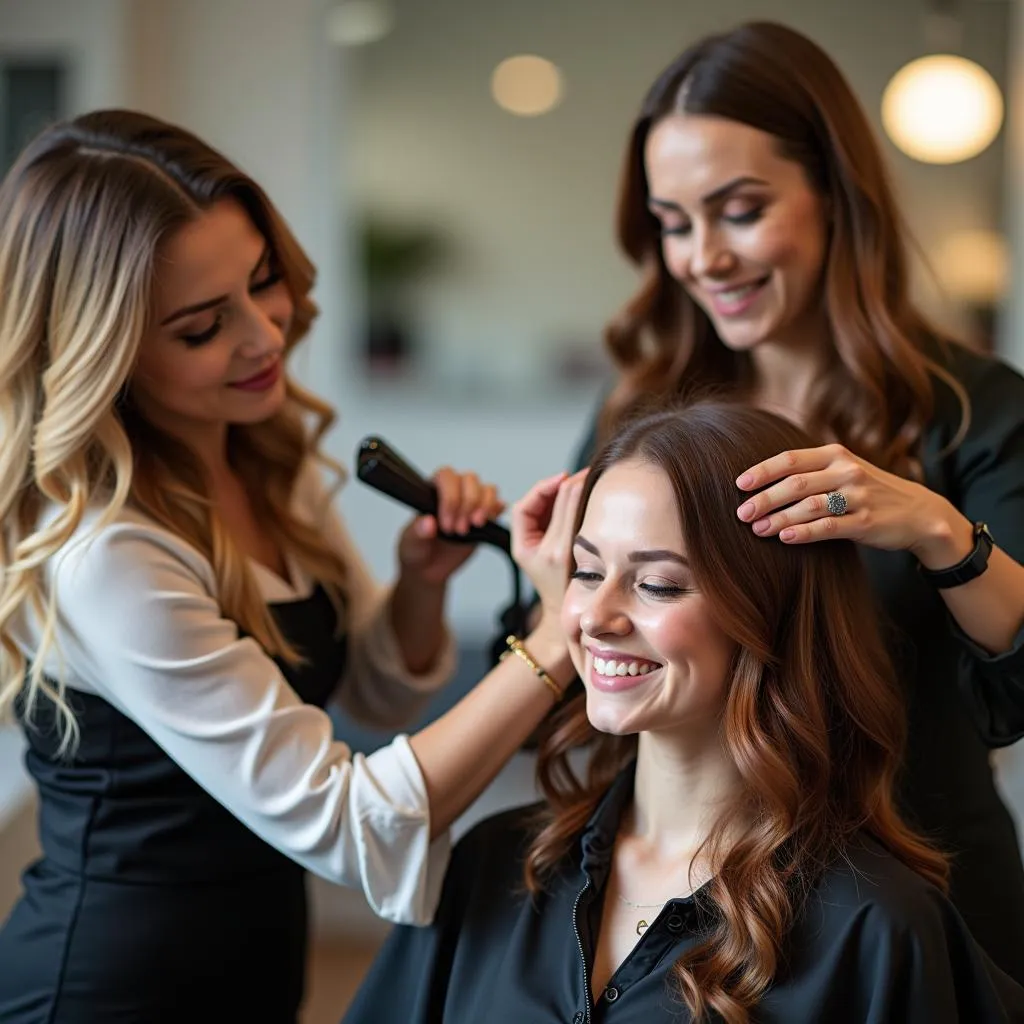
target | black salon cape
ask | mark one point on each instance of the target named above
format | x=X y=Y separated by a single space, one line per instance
x=873 y=943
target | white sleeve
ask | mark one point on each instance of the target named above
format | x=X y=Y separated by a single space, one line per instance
x=377 y=688
x=139 y=624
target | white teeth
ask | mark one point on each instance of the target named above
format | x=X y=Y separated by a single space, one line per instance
x=611 y=667
x=737 y=293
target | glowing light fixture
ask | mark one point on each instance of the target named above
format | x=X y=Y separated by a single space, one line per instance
x=526 y=85
x=974 y=266
x=942 y=109
x=358 y=22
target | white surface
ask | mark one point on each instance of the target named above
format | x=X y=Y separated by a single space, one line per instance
x=1011 y=325
x=91 y=34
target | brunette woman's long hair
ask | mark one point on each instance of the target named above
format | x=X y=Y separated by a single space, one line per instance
x=877 y=395
x=814 y=719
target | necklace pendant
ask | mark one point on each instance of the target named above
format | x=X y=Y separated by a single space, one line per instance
x=641 y=927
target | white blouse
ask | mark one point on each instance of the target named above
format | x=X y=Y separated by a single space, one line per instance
x=139 y=624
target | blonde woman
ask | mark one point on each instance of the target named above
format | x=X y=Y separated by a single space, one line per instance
x=178 y=601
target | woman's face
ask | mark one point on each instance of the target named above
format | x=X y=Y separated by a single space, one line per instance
x=212 y=355
x=743 y=231
x=641 y=633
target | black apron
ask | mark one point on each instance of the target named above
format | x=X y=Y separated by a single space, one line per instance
x=151 y=903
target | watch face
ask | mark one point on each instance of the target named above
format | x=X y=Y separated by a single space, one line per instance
x=983 y=541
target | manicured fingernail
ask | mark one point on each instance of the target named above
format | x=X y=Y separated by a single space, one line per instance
x=787 y=534
x=762 y=525
x=746 y=511
x=746 y=480
x=422 y=527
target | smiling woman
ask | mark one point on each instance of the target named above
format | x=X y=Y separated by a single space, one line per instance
x=236 y=337
x=774 y=268
x=646 y=643
x=179 y=600
x=731 y=849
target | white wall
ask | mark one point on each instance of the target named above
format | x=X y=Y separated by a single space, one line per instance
x=1011 y=337
x=531 y=199
x=90 y=33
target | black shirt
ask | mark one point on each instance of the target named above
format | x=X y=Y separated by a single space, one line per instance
x=961 y=701
x=872 y=943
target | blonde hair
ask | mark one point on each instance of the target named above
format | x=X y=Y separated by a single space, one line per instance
x=83 y=214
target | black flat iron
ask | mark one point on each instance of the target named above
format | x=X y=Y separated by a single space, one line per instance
x=382 y=468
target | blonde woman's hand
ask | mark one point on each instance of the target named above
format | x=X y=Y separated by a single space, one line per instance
x=867 y=504
x=463 y=500
x=542 y=529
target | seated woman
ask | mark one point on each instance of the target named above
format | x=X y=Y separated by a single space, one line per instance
x=733 y=851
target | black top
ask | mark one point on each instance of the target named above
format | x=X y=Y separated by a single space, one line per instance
x=871 y=943
x=152 y=903
x=961 y=701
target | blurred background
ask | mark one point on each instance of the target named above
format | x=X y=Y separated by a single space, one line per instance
x=450 y=166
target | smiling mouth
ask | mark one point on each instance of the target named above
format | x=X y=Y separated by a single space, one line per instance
x=731 y=301
x=741 y=290
x=261 y=380
x=615 y=667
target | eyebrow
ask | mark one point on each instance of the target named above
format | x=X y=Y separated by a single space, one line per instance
x=655 y=555
x=711 y=197
x=201 y=307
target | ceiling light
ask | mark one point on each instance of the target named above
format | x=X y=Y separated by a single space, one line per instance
x=358 y=22
x=526 y=85
x=942 y=109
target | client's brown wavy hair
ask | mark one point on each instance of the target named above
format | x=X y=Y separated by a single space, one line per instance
x=814 y=719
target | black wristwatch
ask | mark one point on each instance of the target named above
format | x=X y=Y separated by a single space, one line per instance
x=969 y=568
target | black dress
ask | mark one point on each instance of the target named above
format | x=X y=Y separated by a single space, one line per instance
x=871 y=943
x=961 y=701
x=151 y=903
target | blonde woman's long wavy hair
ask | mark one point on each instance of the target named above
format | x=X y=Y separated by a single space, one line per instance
x=83 y=215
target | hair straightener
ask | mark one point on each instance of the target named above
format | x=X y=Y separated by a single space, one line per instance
x=381 y=467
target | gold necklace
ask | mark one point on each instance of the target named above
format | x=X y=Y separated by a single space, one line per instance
x=642 y=925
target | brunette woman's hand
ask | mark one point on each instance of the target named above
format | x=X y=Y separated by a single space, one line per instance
x=828 y=492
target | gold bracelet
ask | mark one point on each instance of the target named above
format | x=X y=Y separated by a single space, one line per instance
x=515 y=646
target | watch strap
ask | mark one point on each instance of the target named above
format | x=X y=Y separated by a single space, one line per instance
x=966 y=569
